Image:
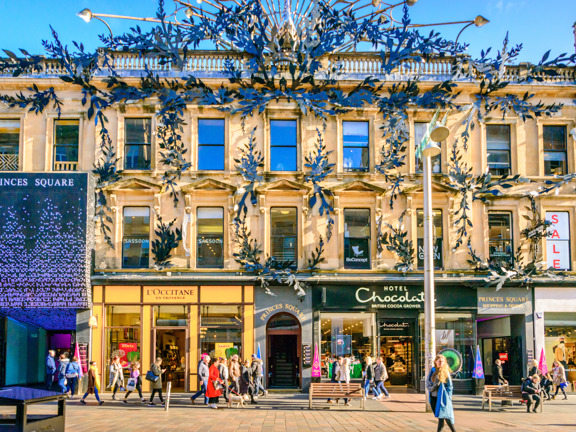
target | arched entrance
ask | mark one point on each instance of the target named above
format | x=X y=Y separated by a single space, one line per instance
x=283 y=336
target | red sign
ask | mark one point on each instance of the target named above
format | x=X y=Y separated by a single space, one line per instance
x=125 y=349
x=503 y=356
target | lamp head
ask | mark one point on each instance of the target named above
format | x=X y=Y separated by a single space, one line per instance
x=432 y=149
x=439 y=133
x=189 y=12
x=85 y=14
x=479 y=21
x=411 y=2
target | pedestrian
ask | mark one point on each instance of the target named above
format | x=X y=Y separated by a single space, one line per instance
x=380 y=376
x=257 y=373
x=368 y=376
x=498 y=373
x=156 y=386
x=546 y=385
x=531 y=392
x=215 y=383
x=559 y=378
x=93 y=384
x=72 y=374
x=223 y=371
x=137 y=381
x=335 y=375
x=62 y=383
x=235 y=372
x=345 y=375
x=439 y=385
x=203 y=373
x=246 y=387
x=533 y=368
x=50 y=369
x=116 y=376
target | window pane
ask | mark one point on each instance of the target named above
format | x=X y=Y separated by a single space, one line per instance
x=500 y=238
x=122 y=316
x=136 y=220
x=138 y=131
x=498 y=137
x=356 y=223
x=211 y=131
x=554 y=163
x=420 y=129
x=137 y=157
x=357 y=238
x=437 y=240
x=355 y=133
x=355 y=158
x=221 y=325
x=554 y=137
x=210 y=239
x=346 y=334
x=283 y=159
x=211 y=157
x=66 y=154
x=136 y=240
x=170 y=315
x=9 y=143
x=66 y=132
x=284 y=234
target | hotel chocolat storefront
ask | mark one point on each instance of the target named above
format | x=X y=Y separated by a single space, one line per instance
x=388 y=320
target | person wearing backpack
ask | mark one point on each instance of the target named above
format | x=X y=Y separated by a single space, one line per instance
x=62 y=363
x=72 y=375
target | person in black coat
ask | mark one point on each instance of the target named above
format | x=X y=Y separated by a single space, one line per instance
x=546 y=386
x=246 y=386
x=498 y=374
x=336 y=367
x=531 y=392
x=369 y=376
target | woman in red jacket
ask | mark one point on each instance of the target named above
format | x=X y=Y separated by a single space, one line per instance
x=214 y=383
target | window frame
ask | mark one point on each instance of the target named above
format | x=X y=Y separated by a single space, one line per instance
x=150 y=231
x=223 y=145
x=198 y=234
x=18 y=147
x=511 y=239
x=509 y=151
x=367 y=237
x=271 y=145
x=55 y=144
x=367 y=147
x=553 y=151
x=294 y=265
x=126 y=144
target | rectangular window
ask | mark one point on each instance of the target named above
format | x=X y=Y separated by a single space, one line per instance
x=210 y=238
x=437 y=237
x=66 y=139
x=420 y=129
x=211 y=144
x=221 y=325
x=555 y=150
x=9 y=144
x=357 y=238
x=558 y=242
x=283 y=229
x=136 y=240
x=283 y=145
x=123 y=335
x=500 y=245
x=138 y=144
x=355 y=138
x=498 y=149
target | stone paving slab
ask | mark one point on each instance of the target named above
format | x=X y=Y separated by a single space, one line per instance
x=290 y=413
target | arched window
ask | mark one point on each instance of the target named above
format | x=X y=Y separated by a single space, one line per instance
x=283 y=321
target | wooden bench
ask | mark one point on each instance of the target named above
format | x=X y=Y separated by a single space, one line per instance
x=336 y=391
x=503 y=392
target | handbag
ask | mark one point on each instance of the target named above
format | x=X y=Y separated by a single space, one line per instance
x=131 y=385
x=72 y=375
x=151 y=377
x=217 y=385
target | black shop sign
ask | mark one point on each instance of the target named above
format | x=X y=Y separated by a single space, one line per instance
x=396 y=327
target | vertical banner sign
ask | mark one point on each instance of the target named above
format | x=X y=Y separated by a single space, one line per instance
x=316 y=372
x=558 y=242
x=478 y=369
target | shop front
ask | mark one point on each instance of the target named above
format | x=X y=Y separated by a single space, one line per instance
x=555 y=327
x=388 y=321
x=283 y=333
x=504 y=326
x=175 y=323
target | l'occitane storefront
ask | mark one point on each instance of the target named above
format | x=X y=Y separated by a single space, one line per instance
x=177 y=323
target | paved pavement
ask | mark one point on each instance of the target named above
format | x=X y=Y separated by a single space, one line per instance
x=287 y=412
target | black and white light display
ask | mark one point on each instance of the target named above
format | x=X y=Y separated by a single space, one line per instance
x=44 y=253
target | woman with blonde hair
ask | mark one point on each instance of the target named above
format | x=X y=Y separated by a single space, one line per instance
x=559 y=378
x=368 y=376
x=439 y=384
x=533 y=368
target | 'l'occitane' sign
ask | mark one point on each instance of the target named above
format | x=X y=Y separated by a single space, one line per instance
x=169 y=294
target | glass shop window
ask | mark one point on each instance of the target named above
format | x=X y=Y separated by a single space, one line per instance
x=555 y=150
x=170 y=316
x=500 y=238
x=437 y=237
x=284 y=235
x=138 y=144
x=498 y=149
x=211 y=144
x=357 y=239
x=66 y=139
x=221 y=325
x=283 y=145
x=420 y=129
x=355 y=139
x=9 y=145
x=210 y=238
x=136 y=240
x=122 y=337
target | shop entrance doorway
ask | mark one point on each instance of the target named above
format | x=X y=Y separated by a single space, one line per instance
x=398 y=355
x=171 y=347
x=283 y=347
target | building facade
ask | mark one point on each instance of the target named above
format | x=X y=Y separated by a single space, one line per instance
x=356 y=303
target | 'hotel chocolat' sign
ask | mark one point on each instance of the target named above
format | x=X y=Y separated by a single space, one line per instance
x=391 y=297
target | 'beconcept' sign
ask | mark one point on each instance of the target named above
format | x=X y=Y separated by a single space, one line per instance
x=391 y=297
x=44 y=254
x=558 y=243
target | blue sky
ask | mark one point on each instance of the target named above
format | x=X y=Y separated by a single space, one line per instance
x=539 y=25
